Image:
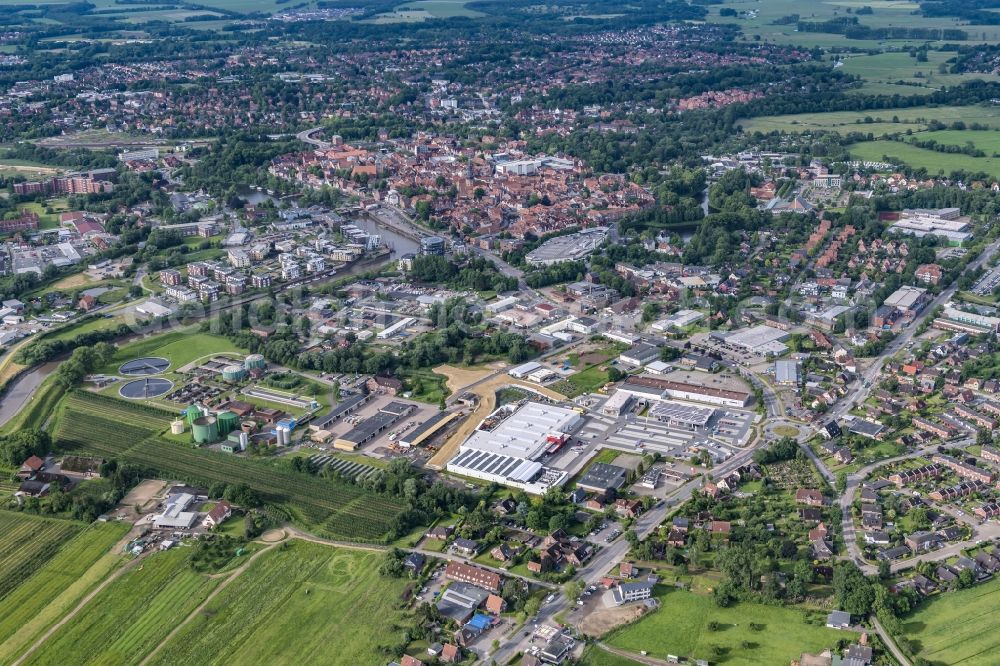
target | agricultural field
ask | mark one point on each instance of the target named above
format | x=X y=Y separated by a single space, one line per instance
x=106 y=426
x=887 y=13
x=914 y=118
x=113 y=428
x=422 y=10
x=681 y=627
x=27 y=542
x=896 y=66
x=57 y=586
x=931 y=160
x=957 y=627
x=298 y=599
x=132 y=615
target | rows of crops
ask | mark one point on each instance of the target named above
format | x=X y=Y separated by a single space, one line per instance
x=90 y=433
x=314 y=499
x=132 y=615
x=56 y=586
x=27 y=542
x=113 y=428
x=345 y=468
x=302 y=599
x=142 y=416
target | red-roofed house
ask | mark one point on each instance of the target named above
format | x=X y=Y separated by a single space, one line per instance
x=219 y=514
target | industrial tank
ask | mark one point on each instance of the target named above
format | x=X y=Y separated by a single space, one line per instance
x=228 y=422
x=205 y=429
x=193 y=412
x=255 y=362
x=234 y=373
x=177 y=427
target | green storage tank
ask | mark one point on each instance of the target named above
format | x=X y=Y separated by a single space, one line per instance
x=255 y=362
x=228 y=422
x=234 y=373
x=205 y=429
x=193 y=412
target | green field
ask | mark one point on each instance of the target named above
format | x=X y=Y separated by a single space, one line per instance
x=887 y=13
x=132 y=615
x=298 y=599
x=986 y=140
x=422 y=10
x=179 y=347
x=110 y=427
x=914 y=118
x=931 y=160
x=582 y=382
x=680 y=627
x=595 y=656
x=958 y=627
x=57 y=586
x=898 y=66
x=27 y=542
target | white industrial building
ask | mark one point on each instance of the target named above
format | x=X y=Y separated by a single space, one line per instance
x=678 y=320
x=506 y=447
x=399 y=326
x=523 y=370
x=763 y=340
x=175 y=515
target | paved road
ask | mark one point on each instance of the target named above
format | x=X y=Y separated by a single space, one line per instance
x=890 y=643
x=613 y=554
x=22 y=391
x=305 y=136
x=868 y=377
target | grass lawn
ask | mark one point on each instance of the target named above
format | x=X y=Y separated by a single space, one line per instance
x=933 y=161
x=785 y=431
x=585 y=381
x=179 y=347
x=958 y=627
x=595 y=656
x=299 y=599
x=680 y=627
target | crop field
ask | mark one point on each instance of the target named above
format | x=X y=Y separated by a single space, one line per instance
x=106 y=426
x=132 y=615
x=26 y=542
x=113 y=428
x=299 y=599
x=957 y=627
x=56 y=586
x=681 y=627
x=914 y=118
x=931 y=160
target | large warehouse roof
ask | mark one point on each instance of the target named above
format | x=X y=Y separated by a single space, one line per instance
x=526 y=432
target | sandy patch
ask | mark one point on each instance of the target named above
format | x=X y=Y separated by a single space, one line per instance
x=602 y=620
x=487 y=392
x=145 y=496
x=273 y=536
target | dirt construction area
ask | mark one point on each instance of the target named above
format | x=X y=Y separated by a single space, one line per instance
x=459 y=381
x=603 y=619
x=146 y=496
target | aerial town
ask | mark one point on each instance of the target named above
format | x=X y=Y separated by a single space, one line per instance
x=417 y=332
